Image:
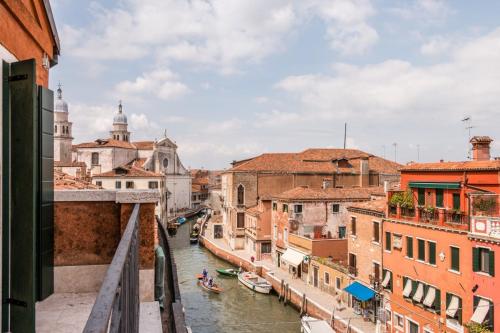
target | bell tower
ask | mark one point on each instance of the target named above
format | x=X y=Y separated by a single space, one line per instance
x=62 y=129
x=120 y=127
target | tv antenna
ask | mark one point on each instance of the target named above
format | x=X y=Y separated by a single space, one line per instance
x=468 y=126
x=395 y=144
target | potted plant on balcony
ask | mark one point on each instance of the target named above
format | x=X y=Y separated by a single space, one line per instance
x=405 y=201
x=483 y=205
x=477 y=328
x=429 y=213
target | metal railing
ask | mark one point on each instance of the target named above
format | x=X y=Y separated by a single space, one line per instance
x=116 y=308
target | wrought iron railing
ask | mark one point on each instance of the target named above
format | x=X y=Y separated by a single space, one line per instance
x=116 y=308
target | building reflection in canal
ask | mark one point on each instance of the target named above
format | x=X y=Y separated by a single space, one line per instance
x=237 y=309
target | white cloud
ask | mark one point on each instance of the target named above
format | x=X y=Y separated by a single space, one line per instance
x=427 y=11
x=224 y=126
x=91 y=121
x=219 y=33
x=436 y=45
x=466 y=84
x=276 y=118
x=161 y=83
x=261 y=99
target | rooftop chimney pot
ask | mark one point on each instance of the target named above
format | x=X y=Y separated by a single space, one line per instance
x=481 y=148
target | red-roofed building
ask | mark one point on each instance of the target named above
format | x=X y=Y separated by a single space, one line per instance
x=271 y=174
x=439 y=242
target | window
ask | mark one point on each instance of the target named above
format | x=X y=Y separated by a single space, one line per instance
x=376 y=232
x=297 y=209
x=388 y=316
x=165 y=163
x=285 y=208
x=432 y=299
x=327 y=278
x=240 y=220
x=409 y=247
x=118 y=184
x=376 y=271
x=454 y=308
x=387 y=241
x=455 y=258
x=456 y=201
x=352 y=264
x=398 y=320
x=397 y=241
x=483 y=312
x=55 y=128
x=483 y=260
x=95 y=158
x=439 y=197
x=285 y=235
x=421 y=249
x=129 y=184
x=265 y=248
x=335 y=208
x=412 y=327
x=338 y=283
x=153 y=185
x=241 y=195
x=342 y=232
x=275 y=206
x=432 y=252
x=98 y=183
x=275 y=232
x=421 y=196
x=387 y=279
x=353 y=225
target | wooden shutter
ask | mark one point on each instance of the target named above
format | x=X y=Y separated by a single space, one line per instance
x=475 y=259
x=409 y=247
x=439 y=197
x=437 y=301
x=421 y=196
x=45 y=221
x=456 y=201
x=455 y=258
x=492 y=263
x=432 y=253
x=23 y=195
x=387 y=241
x=421 y=250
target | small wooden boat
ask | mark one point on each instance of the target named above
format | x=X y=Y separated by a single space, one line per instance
x=314 y=325
x=255 y=282
x=233 y=272
x=214 y=288
x=199 y=276
x=193 y=240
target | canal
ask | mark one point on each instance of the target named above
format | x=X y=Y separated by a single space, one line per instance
x=237 y=308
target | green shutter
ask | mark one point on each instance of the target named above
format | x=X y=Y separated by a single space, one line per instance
x=492 y=316
x=409 y=247
x=475 y=259
x=455 y=258
x=437 y=301
x=432 y=253
x=439 y=197
x=23 y=197
x=492 y=263
x=460 y=310
x=456 y=201
x=387 y=241
x=421 y=196
x=414 y=286
x=45 y=223
x=421 y=250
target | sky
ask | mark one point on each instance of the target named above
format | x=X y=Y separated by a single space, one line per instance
x=230 y=79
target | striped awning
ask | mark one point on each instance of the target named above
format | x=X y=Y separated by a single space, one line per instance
x=434 y=185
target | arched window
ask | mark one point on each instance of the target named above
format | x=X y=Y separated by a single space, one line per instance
x=241 y=195
x=95 y=158
x=165 y=163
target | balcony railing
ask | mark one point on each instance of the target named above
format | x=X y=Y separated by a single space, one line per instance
x=116 y=308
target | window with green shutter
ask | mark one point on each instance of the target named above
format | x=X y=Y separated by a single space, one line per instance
x=432 y=253
x=439 y=197
x=483 y=260
x=456 y=201
x=455 y=258
x=421 y=249
x=409 y=247
x=421 y=196
x=387 y=241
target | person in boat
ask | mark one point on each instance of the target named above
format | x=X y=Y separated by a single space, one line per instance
x=205 y=274
x=211 y=282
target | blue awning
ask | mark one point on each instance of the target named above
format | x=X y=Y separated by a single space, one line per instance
x=359 y=291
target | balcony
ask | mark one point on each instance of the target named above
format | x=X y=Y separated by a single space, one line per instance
x=431 y=215
x=353 y=271
x=321 y=247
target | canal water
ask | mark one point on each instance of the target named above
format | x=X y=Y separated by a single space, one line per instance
x=237 y=308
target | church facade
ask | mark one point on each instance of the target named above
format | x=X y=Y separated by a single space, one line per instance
x=121 y=164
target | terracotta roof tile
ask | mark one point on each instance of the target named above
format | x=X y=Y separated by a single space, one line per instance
x=254 y=210
x=454 y=166
x=144 y=145
x=316 y=161
x=306 y=193
x=63 y=181
x=377 y=205
x=129 y=170
x=69 y=164
x=107 y=143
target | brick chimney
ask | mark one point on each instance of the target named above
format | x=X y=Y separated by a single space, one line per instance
x=481 y=148
x=364 y=172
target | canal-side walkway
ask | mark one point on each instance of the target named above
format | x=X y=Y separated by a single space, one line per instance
x=319 y=303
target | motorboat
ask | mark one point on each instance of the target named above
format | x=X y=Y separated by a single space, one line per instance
x=315 y=325
x=255 y=282
x=233 y=272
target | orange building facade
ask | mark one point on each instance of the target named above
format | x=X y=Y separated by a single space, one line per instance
x=442 y=268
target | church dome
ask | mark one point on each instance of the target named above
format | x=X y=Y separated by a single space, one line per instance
x=120 y=117
x=60 y=104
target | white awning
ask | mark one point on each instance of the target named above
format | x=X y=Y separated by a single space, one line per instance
x=430 y=297
x=481 y=311
x=452 y=309
x=407 y=290
x=387 y=278
x=419 y=293
x=293 y=257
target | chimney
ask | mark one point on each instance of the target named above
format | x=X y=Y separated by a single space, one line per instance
x=481 y=148
x=364 y=172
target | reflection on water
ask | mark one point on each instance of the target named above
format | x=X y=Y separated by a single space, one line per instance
x=237 y=309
